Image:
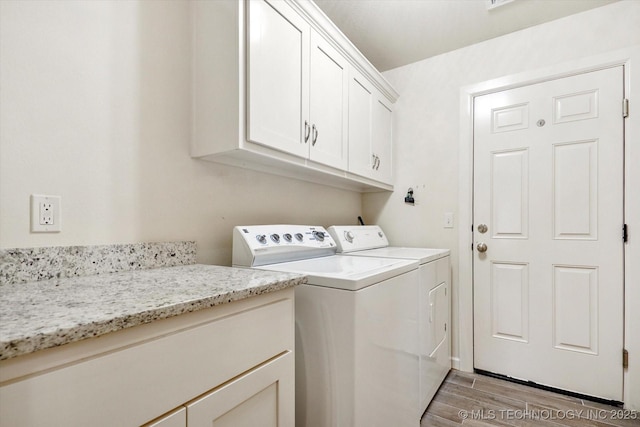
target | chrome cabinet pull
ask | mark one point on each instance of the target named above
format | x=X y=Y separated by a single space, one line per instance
x=315 y=135
x=376 y=162
x=307 y=131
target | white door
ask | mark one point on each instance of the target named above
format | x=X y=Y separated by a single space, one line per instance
x=277 y=77
x=548 y=184
x=329 y=82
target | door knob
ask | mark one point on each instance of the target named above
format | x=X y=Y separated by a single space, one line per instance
x=482 y=228
x=482 y=247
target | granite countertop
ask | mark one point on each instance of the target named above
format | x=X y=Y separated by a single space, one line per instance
x=49 y=313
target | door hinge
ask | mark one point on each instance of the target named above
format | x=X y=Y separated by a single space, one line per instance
x=625 y=234
x=625 y=108
x=625 y=358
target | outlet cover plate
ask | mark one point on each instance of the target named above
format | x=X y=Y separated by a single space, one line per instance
x=448 y=220
x=45 y=214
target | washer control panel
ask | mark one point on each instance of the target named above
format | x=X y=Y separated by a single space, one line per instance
x=255 y=245
x=350 y=238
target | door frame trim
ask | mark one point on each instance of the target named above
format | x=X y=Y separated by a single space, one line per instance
x=627 y=58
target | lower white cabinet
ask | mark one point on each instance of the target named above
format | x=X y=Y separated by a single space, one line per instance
x=222 y=366
x=262 y=397
x=177 y=418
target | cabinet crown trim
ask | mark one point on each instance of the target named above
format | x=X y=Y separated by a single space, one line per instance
x=321 y=23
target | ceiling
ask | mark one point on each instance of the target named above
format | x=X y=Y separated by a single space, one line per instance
x=392 y=33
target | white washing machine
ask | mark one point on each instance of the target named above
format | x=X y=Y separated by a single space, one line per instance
x=434 y=301
x=357 y=332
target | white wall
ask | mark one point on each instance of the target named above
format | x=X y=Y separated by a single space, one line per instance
x=95 y=107
x=427 y=122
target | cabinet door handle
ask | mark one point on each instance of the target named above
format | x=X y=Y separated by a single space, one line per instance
x=376 y=162
x=315 y=135
x=307 y=131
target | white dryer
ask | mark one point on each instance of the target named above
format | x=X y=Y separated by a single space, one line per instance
x=357 y=332
x=434 y=301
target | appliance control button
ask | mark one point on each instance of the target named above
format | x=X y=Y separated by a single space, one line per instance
x=319 y=236
x=380 y=234
x=348 y=235
x=299 y=237
x=287 y=237
x=261 y=238
x=275 y=238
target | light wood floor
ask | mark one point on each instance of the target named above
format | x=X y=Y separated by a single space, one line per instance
x=478 y=400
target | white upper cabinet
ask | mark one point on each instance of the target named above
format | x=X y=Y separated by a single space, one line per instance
x=272 y=92
x=361 y=100
x=370 y=131
x=277 y=77
x=297 y=82
x=381 y=140
x=328 y=104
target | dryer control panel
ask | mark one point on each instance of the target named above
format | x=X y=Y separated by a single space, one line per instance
x=350 y=238
x=255 y=245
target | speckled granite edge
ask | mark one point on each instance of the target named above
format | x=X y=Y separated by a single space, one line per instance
x=22 y=265
x=62 y=311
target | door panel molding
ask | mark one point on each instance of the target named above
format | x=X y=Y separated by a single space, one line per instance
x=510 y=304
x=575 y=288
x=511 y=117
x=575 y=213
x=510 y=194
x=575 y=106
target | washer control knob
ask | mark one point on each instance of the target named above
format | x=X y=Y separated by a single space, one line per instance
x=287 y=237
x=319 y=236
x=275 y=238
x=299 y=237
x=261 y=238
x=380 y=234
x=348 y=235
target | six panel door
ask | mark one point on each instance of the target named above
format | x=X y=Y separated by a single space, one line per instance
x=548 y=185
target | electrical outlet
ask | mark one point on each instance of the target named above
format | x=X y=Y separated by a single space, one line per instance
x=45 y=214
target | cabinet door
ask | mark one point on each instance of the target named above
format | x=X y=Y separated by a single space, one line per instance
x=360 y=105
x=262 y=397
x=177 y=418
x=381 y=141
x=329 y=85
x=277 y=76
